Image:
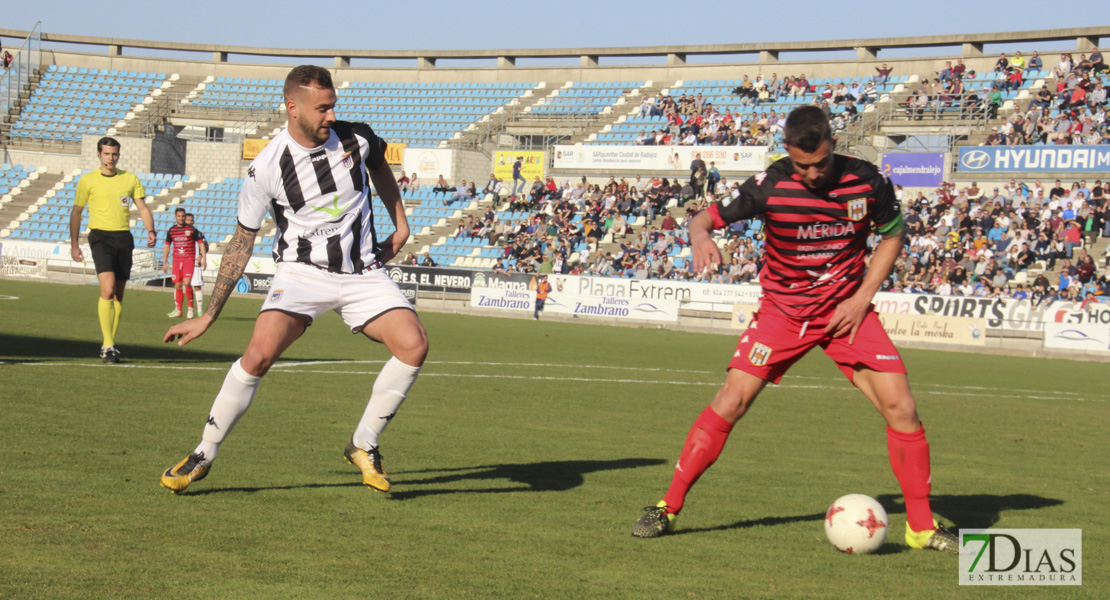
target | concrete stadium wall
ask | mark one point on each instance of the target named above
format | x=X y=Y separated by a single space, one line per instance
x=134 y=153
x=213 y=160
x=582 y=64
x=55 y=162
x=471 y=166
x=665 y=75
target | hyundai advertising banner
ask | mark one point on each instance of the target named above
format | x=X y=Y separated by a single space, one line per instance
x=1034 y=159
x=914 y=170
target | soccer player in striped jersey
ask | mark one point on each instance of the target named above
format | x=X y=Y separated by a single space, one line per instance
x=197 y=281
x=183 y=238
x=314 y=178
x=819 y=208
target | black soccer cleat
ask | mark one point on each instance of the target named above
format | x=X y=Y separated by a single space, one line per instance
x=655 y=521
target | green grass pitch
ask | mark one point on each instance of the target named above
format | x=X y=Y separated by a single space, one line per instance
x=522 y=457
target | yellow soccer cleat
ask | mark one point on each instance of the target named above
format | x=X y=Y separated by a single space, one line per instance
x=190 y=469
x=370 y=463
x=939 y=538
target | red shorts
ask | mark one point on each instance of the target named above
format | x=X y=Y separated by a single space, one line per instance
x=773 y=342
x=183 y=269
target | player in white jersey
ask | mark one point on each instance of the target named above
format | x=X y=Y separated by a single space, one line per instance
x=314 y=179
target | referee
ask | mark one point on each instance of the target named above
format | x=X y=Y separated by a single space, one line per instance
x=109 y=193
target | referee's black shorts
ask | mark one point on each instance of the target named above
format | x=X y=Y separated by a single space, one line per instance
x=111 y=252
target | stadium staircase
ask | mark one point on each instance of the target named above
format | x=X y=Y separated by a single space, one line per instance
x=620 y=112
x=16 y=108
x=485 y=135
x=546 y=126
x=31 y=195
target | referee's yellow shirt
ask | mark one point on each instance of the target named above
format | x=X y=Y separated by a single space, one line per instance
x=109 y=198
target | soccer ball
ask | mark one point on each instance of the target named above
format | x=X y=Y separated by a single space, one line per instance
x=856 y=524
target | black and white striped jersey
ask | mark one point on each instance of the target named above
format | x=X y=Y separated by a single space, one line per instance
x=319 y=197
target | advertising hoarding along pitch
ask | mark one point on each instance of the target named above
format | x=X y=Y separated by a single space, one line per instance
x=914 y=170
x=1034 y=159
x=660 y=158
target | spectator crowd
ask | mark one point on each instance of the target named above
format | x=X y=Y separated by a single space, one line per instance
x=1017 y=241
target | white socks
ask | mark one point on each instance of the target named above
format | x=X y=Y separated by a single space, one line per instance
x=198 y=296
x=232 y=402
x=390 y=389
x=237 y=393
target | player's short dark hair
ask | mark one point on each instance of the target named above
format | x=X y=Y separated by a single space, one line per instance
x=806 y=129
x=189 y=214
x=306 y=75
x=179 y=209
x=106 y=141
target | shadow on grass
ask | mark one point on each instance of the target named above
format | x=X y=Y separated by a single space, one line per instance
x=33 y=349
x=251 y=490
x=971 y=511
x=554 y=476
x=29 y=349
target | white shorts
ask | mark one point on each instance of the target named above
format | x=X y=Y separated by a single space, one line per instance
x=304 y=290
x=198 y=277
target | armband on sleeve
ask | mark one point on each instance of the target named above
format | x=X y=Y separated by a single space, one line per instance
x=892 y=228
x=715 y=212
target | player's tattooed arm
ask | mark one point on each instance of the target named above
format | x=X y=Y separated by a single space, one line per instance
x=235 y=258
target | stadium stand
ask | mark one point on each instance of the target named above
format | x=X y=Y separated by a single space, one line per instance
x=571 y=227
x=49 y=221
x=424 y=115
x=73 y=101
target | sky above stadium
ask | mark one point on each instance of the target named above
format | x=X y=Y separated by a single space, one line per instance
x=442 y=24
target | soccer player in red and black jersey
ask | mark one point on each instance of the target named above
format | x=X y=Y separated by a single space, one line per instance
x=819 y=209
x=184 y=239
x=202 y=263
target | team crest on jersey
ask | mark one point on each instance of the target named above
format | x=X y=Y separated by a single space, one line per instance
x=857 y=209
x=125 y=201
x=276 y=295
x=348 y=162
x=759 y=354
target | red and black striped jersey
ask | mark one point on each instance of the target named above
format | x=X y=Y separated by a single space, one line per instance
x=184 y=239
x=815 y=240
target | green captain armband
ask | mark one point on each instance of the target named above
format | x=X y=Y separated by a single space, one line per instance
x=892 y=228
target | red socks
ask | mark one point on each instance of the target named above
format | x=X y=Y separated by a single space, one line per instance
x=909 y=457
x=189 y=295
x=178 y=297
x=703 y=445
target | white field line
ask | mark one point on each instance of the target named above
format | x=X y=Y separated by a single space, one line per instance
x=958 y=391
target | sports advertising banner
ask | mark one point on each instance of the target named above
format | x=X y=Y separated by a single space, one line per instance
x=660 y=158
x=394 y=153
x=1034 y=159
x=1009 y=315
x=1073 y=336
x=962 y=331
x=575 y=304
x=251 y=148
x=696 y=296
x=608 y=306
x=742 y=315
x=503 y=299
x=531 y=164
x=914 y=170
x=429 y=164
x=433 y=279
